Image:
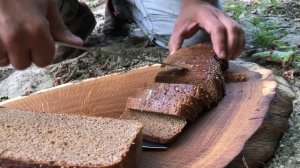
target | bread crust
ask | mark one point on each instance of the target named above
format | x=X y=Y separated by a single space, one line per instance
x=133 y=155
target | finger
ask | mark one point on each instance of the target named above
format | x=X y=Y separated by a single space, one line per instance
x=16 y=47
x=232 y=32
x=58 y=29
x=176 y=38
x=42 y=44
x=241 y=44
x=217 y=31
x=180 y=33
x=175 y=42
x=20 y=58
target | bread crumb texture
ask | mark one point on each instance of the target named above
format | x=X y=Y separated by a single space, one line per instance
x=54 y=139
x=157 y=127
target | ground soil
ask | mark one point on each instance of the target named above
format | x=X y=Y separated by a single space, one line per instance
x=286 y=14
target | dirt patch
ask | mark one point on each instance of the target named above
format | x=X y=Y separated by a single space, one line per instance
x=288 y=9
x=288 y=153
x=19 y=83
x=5 y=72
x=118 y=57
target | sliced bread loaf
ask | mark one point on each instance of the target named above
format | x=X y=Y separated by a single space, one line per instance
x=172 y=99
x=206 y=70
x=157 y=127
x=29 y=139
x=206 y=80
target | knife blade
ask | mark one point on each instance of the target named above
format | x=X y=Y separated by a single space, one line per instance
x=147 y=145
x=88 y=49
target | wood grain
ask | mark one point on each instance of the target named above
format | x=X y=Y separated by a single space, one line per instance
x=218 y=137
x=214 y=140
x=105 y=96
x=262 y=145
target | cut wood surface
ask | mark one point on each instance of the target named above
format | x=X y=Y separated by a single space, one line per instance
x=105 y=96
x=214 y=140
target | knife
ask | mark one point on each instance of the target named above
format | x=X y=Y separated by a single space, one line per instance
x=147 y=145
x=115 y=54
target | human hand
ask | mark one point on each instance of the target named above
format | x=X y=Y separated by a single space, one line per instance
x=226 y=35
x=28 y=29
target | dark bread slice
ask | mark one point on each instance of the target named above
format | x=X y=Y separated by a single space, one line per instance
x=180 y=110
x=205 y=72
x=171 y=99
x=157 y=127
x=200 y=58
x=29 y=139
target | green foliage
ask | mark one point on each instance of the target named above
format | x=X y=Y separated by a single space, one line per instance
x=239 y=8
x=236 y=7
x=266 y=33
x=256 y=21
x=297 y=59
x=273 y=2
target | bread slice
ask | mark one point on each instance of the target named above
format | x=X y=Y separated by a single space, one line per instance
x=29 y=139
x=200 y=58
x=172 y=99
x=157 y=127
x=206 y=70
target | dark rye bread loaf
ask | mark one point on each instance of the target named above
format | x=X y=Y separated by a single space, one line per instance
x=172 y=99
x=205 y=72
x=29 y=139
x=205 y=76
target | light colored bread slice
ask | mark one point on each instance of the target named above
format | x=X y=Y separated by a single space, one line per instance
x=172 y=99
x=157 y=127
x=29 y=139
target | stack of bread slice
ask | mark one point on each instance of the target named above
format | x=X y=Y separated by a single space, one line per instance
x=178 y=96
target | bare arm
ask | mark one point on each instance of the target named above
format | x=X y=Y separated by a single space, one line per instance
x=226 y=35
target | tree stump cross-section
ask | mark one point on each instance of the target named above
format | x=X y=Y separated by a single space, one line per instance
x=244 y=129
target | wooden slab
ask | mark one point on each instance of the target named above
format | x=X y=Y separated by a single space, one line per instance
x=214 y=140
x=105 y=96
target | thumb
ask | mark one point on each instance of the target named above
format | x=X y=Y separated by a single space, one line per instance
x=59 y=30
